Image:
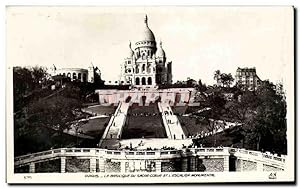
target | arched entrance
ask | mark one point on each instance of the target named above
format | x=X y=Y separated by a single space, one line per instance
x=149 y=81
x=84 y=77
x=143 y=99
x=177 y=98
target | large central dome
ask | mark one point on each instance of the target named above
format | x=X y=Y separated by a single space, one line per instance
x=146 y=34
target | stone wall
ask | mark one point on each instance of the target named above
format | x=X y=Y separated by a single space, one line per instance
x=22 y=169
x=136 y=96
x=140 y=166
x=171 y=166
x=112 y=167
x=244 y=165
x=74 y=165
x=214 y=165
x=52 y=166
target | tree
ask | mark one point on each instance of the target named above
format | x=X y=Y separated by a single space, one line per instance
x=211 y=117
x=223 y=79
x=238 y=109
x=264 y=116
x=270 y=119
x=226 y=79
x=27 y=81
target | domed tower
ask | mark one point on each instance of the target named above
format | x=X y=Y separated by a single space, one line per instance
x=128 y=67
x=161 y=70
x=145 y=66
x=145 y=45
x=91 y=73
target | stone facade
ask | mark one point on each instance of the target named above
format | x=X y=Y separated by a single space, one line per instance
x=80 y=74
x=146 y=65
x=247 y=78
x=74 y=165
x=179 y=96
x=214 y=164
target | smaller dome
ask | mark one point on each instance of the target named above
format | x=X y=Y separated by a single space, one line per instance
x=160 y=51
x=130 y=51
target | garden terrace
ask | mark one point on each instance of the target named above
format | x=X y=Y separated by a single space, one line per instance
x=143 y=121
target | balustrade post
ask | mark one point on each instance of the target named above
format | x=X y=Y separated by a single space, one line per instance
x=93 y=165
x=63 y=164
x=32 y=168
x=101 y=165
x=123 y=167
x=226 y=163
x=158 y=166
x=259 y=166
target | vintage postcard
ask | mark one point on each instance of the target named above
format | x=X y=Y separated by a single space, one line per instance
x=165 y=94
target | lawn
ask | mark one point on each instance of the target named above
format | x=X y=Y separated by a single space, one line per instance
x=191 y=126
x=95 y=127
x=143 y=121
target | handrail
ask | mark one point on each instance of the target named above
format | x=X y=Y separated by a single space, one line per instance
x=95 y=151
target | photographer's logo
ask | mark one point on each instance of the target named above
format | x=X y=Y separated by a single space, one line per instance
x=272 y=176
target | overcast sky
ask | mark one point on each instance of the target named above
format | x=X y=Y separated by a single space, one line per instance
x=198 y=40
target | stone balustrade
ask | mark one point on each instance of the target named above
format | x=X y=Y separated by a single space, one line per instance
x=214 y=159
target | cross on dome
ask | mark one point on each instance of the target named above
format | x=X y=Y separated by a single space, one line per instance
x=146 y=20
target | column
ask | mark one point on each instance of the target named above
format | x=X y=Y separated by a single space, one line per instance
x=226 y=163
x=158 y=166
x=123 y=167
x=102 y=165
x=32 y=168
x=259 y=166
x=193 y=164
x=184 y=165
x=93 y=165
x=63 y=164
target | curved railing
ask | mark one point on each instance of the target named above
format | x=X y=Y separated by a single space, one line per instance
x=152 y=154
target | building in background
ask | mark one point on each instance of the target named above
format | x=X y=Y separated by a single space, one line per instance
x=80 y=74
x=247 y=79
x=146 y=65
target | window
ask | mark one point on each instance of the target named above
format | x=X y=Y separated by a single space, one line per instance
x=137 y=81
x=149 y=81
x=79 y=76
x=143 y=67
x=84 y=77
x=143 y=81
x=74 y=76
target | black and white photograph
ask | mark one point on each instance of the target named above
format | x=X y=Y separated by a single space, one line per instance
x=162 y=94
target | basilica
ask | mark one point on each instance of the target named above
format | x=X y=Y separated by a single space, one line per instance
x=146 y=62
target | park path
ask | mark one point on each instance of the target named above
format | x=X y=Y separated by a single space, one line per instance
x=113 y=130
